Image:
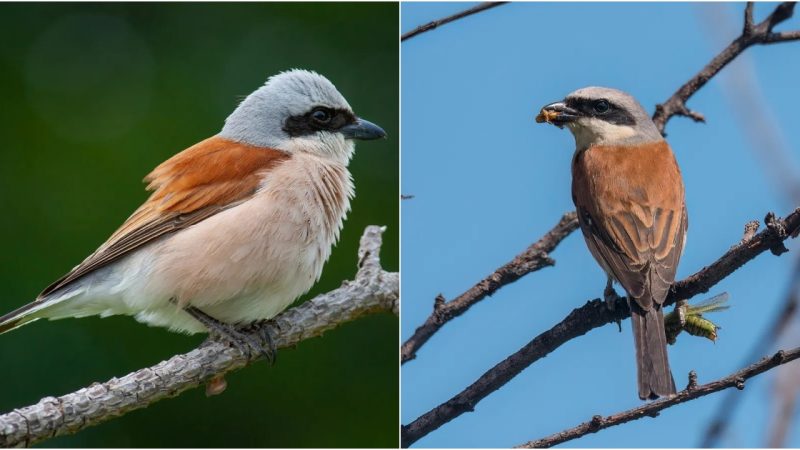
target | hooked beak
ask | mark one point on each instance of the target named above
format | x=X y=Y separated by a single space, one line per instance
x=362 y=129
x=558 y=114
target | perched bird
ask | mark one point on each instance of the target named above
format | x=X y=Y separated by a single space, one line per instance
x=237 y=226
x=629 y=196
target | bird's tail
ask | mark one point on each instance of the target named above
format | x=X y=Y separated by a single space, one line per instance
x=19 y=317
x=652 y=363
x=40 y=308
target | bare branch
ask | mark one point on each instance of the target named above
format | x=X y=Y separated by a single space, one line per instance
x=751 y=34
x=595 y=314
x=691 y=392
x=431 y=25
x=532 y=259
x=373 y=290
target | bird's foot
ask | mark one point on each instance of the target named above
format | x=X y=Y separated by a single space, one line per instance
x=247 y=344
x=260 y=328
x=610 y=296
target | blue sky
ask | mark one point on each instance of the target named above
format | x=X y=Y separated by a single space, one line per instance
x=488 y=181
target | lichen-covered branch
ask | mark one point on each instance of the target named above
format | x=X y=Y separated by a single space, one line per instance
x=434 y=24
x=692 y=391
x=595 y=314
x=373 y=290
x=532 y=259
x=752 y=34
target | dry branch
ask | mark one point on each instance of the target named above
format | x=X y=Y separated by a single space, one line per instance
x=431 y=25
x=751 y=34
x=692 y=391
x=595 y=314
x=532 y=259
x=373 y=290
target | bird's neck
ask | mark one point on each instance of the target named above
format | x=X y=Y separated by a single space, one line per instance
x=602 y=133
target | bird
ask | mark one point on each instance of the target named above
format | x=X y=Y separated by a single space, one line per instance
x=236 y=227
x=630 y=202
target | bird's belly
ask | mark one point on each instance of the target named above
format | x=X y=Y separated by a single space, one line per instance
x=246 y=263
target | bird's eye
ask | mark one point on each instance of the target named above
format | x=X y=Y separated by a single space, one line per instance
x=321 y=115
x=601 y=106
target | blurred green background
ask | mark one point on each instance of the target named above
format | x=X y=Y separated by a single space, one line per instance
x=93 y=96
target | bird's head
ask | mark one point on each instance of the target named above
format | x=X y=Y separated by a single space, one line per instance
x=299 y=111
x=601 y=116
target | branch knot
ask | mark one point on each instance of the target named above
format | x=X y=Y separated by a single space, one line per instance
x=776 y=226
x=692 y=381
x=750 y=230
x=779 y=357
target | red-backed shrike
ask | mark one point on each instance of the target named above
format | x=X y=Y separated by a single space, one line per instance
x=237 y=227
x=628 y=192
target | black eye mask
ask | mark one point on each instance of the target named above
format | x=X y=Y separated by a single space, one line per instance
x=319 y=118
x=592 y=108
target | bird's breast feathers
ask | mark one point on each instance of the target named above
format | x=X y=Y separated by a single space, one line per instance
x=631 y=208
x=270 y=247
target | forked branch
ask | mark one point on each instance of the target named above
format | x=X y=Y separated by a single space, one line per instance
x=752 y=34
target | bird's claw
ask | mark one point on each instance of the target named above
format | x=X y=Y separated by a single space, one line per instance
x=242 y=339
x=247 y=344
x=267 y=343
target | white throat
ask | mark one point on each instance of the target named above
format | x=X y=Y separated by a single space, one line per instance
x=329 y=146
x=591 y=131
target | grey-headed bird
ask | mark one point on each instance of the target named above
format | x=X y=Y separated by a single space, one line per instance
x=629 y=196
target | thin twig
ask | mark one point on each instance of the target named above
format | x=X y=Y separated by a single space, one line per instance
x=373 y=290
x=751 y=34
x=691 y=392
x=431 y=25
x=532 y=259
x=752 y=111
x=595 y=314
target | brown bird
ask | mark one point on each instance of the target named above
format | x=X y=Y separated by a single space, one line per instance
x=629 y=196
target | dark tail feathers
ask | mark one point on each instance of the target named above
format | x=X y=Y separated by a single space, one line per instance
x=652 y=364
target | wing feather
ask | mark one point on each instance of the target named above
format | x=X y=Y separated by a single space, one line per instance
x=632 y=215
